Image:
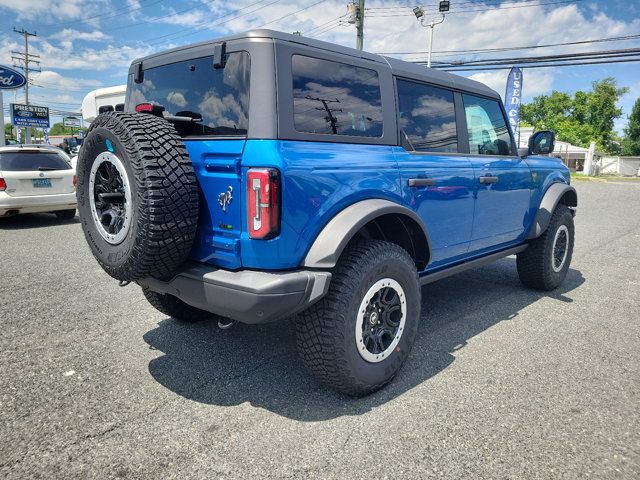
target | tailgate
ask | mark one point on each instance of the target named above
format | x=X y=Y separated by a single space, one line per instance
x=217 y=167
x=31 y=183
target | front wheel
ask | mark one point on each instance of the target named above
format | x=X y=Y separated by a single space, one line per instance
x=359 y=335
x=545 y=262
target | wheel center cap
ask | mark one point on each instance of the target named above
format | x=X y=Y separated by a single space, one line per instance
x=373 y=318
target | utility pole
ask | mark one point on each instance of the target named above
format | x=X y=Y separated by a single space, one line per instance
x=27 y=59
x=356 y=16
x=330 y=118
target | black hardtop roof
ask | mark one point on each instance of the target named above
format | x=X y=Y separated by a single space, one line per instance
x=398 y=67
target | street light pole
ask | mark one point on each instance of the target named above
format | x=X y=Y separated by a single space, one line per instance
x=420 y=15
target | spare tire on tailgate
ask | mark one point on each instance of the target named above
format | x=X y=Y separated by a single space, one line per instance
x=137 y=195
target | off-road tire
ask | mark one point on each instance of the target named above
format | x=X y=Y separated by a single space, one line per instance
x=163 y=189
x=66 y=214
x=174 y=307
x=535 y=263
x=326 y=331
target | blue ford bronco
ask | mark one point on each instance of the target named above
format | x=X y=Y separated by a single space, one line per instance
x=266 y=175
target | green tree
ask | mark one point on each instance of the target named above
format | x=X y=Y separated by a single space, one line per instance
x=60 y=129
x=579 y=118
x=631 y=140
x=8 y=130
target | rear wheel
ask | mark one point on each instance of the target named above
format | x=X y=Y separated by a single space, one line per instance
x=174 y=307
x=545 y=262
x=66 y=214
x=359 y=335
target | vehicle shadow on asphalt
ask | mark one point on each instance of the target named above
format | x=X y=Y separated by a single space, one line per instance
x=34 y=220
x=259 y=363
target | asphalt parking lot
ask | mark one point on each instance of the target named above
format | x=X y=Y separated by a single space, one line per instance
x=503 y=382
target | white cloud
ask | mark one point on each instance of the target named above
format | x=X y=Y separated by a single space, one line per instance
x=66 y=56
x=51 y=9
x=188 y=18
x=69 y=34
x=534 y=82
x=51 y=79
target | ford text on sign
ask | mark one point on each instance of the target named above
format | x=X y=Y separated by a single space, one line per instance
x=10 y=78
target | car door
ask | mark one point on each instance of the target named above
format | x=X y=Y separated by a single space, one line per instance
x=437 y=181
x=503 y=179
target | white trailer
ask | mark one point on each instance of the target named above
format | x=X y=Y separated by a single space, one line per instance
x=108 y=98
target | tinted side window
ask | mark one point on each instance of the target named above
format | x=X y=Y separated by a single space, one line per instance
x=488 y=131
x=427 y=116
x=193 y=88
x=335 y=98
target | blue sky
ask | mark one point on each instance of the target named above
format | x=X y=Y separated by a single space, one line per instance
x=86 y=44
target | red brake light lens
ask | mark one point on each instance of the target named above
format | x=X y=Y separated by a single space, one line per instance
x=3 y=185
x=144 y=107
x=74 y=180
x=150 y=108
x=263 y=203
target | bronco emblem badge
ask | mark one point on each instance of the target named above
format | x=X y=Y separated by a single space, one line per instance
x=225 y=198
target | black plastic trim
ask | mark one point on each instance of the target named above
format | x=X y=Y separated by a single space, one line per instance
x=548 y=205
x=336 y=234
x=447 y=272
x=246 y=295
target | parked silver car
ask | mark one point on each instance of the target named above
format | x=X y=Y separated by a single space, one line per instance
x=36 y=178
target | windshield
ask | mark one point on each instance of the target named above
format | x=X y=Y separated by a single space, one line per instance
x=218 y=99
x=32 y=160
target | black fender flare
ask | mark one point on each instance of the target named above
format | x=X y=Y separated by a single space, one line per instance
x=548 y=205
x=336 y=234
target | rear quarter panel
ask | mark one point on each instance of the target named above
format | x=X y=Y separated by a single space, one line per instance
x=319 y=179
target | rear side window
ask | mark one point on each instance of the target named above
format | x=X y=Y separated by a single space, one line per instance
x=193 y=88
x=427 y=117
x=335 y=98
x=488 y=131
x=27 y=161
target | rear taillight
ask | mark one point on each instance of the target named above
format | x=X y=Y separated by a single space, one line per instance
x=74 y=180
x=263 y=202
x=3 y=185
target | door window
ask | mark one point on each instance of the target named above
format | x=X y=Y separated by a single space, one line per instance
x=488 y=131
x=427 y=117
x=335 y=98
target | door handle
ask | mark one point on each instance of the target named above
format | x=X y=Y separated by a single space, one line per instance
x=421 y=182
x=488 y=179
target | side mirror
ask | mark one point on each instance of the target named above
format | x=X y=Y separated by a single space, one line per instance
x=542 y=142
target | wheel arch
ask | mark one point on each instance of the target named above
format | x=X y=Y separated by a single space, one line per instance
x=557 y=193
x=373 y=219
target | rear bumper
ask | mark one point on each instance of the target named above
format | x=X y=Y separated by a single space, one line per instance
x=36 y=203
x=247 y=296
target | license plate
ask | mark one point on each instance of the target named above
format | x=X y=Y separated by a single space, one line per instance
x=41 y=183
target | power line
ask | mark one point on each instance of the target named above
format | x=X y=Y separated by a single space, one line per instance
x=316 y=30
x=528 y=47
x=564 y=64
x=453 y=12
x=541 y=59
x=115 y=13
x=292 y=13
x=191 y=30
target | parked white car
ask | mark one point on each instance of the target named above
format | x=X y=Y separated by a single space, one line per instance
x=36 y=178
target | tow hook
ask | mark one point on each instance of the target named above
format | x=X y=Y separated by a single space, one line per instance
x=123 y=283
x=226 y=323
